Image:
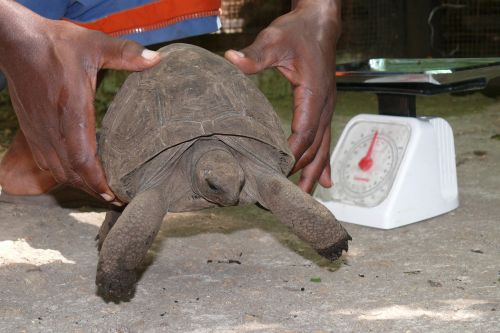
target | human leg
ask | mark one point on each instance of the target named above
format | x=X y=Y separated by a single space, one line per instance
x=19 y=173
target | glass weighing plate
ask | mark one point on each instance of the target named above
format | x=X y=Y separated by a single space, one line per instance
x=418 y=76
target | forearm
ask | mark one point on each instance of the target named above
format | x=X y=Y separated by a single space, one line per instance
x=334 y=5
x=326 y=12
x=16 y=24
x=10 y=16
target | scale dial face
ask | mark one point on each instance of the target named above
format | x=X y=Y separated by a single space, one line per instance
x=367 y=160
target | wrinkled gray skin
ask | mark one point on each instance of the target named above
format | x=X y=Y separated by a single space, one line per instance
x=191 y=133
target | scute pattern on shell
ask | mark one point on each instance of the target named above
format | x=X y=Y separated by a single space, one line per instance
x=192 y=93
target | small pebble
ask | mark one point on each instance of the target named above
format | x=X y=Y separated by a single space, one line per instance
x=434 y=283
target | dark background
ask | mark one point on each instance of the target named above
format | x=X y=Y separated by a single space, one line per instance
x=381 y=28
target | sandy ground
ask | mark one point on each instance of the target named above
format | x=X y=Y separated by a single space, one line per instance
x=239 y=270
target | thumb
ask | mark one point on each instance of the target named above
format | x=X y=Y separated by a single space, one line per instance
x=125 y=54
x=253 y=58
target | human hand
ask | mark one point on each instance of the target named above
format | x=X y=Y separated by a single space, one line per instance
x=302 y=45
x=51 y=67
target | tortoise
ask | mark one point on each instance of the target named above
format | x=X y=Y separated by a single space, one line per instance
x=194 y=132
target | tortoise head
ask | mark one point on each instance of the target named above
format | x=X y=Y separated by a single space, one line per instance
x=216 y=174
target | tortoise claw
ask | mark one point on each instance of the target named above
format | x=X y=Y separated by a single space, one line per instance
x=334 y=251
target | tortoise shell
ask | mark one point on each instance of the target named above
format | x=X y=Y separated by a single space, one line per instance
x=192 y=93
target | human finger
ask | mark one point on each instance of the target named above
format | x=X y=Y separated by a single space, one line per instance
x=310 y=153
x=79 y=149
x=125 y=54
x=258 y=55
x=325 y=179
x=312 y=172
x=312 y=114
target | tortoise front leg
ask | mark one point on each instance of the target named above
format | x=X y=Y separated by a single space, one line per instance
x=306 y=217
x=126 y=244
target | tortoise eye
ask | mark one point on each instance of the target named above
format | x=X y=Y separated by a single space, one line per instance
x=212 y=186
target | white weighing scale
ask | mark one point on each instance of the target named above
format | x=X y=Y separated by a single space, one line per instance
x=395 y=168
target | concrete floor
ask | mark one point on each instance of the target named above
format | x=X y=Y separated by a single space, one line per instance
x=239 y=270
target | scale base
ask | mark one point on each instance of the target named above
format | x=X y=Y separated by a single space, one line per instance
x=425 y=184
x=383 y=218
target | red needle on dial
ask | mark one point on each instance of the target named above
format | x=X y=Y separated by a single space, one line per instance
x=366 y=162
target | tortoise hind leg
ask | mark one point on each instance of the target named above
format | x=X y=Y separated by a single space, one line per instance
x=110 y=220
x=126 y=244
